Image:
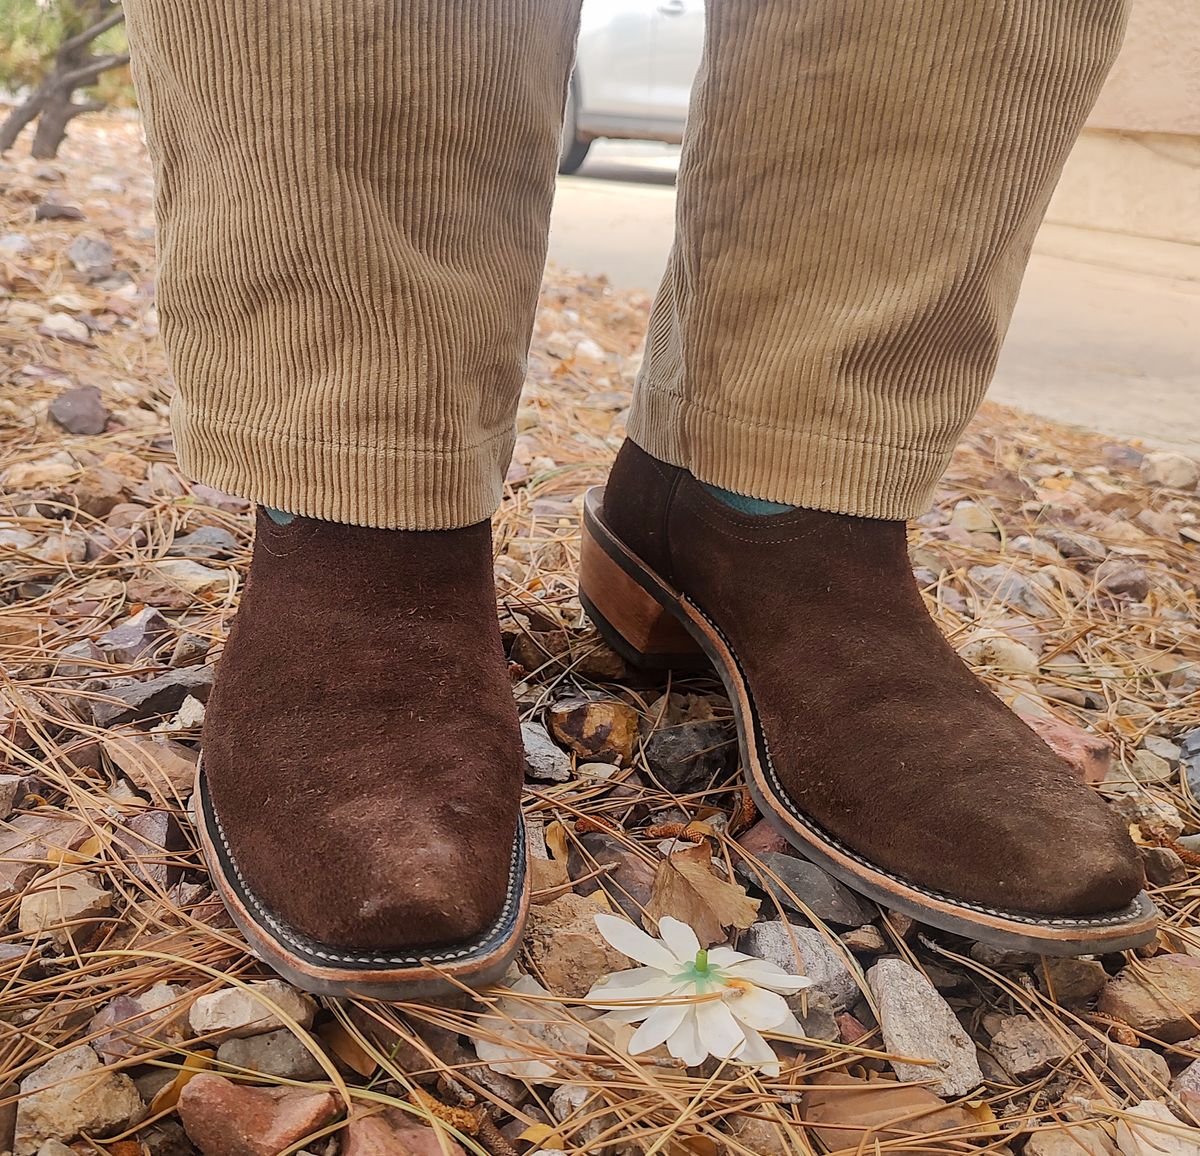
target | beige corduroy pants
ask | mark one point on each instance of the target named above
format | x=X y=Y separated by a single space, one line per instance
x=353 y=197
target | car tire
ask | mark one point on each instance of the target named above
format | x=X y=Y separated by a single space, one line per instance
x=574 y=149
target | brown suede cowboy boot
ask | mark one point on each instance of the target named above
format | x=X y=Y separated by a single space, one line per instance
x=864 y=737
x=359 y=792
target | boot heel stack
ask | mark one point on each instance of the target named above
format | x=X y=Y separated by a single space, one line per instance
x=629 y=618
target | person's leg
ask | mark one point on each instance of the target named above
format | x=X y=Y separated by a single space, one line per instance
x=858 y=194
x=353 y=202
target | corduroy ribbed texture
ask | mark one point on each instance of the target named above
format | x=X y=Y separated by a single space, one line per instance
x=858 y=194
x=352 y=203
x=353 y=200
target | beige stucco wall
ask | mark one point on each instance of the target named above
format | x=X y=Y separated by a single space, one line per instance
x=1155 y=84
x=1136 y=168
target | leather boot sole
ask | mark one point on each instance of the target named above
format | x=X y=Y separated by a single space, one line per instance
x=373 y=974
x=651 y=625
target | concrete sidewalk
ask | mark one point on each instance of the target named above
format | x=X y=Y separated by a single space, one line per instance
x=1106 y=333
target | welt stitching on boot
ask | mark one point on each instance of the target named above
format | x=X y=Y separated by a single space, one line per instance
x=873 y=729
x=338 y=710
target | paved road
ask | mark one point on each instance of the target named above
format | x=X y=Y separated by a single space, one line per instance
x=1106 y=333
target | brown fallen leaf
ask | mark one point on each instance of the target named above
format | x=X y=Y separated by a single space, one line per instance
x=194 y=1063
x=687 y=888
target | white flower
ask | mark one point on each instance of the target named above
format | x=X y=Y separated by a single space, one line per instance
x=699 y=1003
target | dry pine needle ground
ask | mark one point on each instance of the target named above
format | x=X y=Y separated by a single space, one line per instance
x=1057 y=560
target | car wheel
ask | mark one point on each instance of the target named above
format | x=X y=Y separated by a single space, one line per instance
x=573 y=149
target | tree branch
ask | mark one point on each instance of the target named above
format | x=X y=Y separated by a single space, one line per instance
x=68 y=47
x=72 y=80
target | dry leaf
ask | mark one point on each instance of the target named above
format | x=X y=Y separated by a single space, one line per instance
x=543 y=1136
x=347 y=1049
x=981 y=1110
x=193 y=1064
x=556 y=840
x=686 y=887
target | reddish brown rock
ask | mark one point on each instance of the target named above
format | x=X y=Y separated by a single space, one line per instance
x=566 y=947
x=848 y=1114
x=227 y=1119
x=1159 y=996
x=393 y=1133
x=1090 y=755
x=763 y=839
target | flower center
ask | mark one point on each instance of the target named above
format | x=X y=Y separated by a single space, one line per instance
x=702 y=975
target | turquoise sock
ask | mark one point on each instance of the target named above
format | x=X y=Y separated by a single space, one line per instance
x=745 y=505
x=278 y=516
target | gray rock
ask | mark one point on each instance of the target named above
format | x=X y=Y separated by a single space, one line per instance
x=152 y=842
x=15 y=245
x=206 y=542
x=1164 y=748
x=1027 y=1048
x=160 y=695
x=1153 y=815
x=1139 y=1070
x=1121 y=577
x=1072 y=543
x=13 y=789
x=998 y=957
x=235 y=1013
x=1147 y=767
x=277 y=1053
x=132 y=1025
x=569 y=1101
x=91 y=256
x=135 y=638
x=828 y=899
x=816 y=1014
x=1188 y=1080
x=544 y=761
x=688 y=756
x=70 y=1094
x=916 y=1022
x=1006 y=585
x=1163 y=866
x=52 y=210
x=80 y=410
x=1163 y=468
x=818 y=958
x=628 y=880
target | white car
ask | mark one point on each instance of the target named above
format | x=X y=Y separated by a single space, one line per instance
x=633 y=73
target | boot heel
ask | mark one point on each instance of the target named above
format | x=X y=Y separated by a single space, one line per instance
x=629 y=618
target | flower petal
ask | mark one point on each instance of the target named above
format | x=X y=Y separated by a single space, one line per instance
x=684 y=1043
x=756 y=1007
x=789 y=1027
x=658 y=987
x=660 y=1025
x=763 y=974
x=720 y=1034
x=635 y=943
x=679 y=938
x=628 y=1015
x=630 y=977
x=727 y=957
x=759 y=1054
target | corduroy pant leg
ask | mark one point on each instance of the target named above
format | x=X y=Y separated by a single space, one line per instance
x=859 y=191
x=352 y=199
